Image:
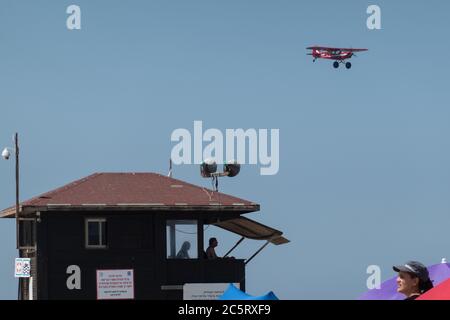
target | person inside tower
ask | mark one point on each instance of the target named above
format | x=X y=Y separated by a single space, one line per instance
x=211 y=252
x=184 y=251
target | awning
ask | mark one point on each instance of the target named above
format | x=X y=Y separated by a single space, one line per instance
x=252 y=230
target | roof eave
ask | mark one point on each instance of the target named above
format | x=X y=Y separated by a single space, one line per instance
x=30 y=210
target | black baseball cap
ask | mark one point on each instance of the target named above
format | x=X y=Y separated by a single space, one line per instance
x=414 y=267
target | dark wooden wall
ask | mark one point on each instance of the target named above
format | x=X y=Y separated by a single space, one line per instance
x=135 y=241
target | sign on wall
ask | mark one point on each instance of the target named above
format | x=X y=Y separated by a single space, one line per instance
x=205 y=291
x=115 y=284
x=22 y=268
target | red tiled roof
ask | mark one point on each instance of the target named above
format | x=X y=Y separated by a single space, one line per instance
x=134 y=189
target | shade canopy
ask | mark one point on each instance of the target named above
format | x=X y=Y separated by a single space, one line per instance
x=252 y=230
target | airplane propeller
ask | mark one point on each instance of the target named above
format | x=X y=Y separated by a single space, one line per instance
x=310 y=54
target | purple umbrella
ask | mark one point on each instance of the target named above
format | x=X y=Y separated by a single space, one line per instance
x=388 y=291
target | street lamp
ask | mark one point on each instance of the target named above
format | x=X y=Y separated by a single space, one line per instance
x=6 y=154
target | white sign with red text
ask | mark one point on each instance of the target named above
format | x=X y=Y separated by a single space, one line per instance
x=115 y=284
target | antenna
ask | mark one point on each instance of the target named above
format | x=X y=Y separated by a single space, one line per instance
x=208 y=169
x=170 y=168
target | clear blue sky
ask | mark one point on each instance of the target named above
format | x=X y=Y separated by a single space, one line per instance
x=364 y=154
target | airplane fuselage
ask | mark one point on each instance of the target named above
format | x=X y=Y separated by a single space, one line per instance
x=332 y=55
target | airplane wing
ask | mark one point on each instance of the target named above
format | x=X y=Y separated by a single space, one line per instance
x=335 y=49
x=323 y=48
x=354 y=50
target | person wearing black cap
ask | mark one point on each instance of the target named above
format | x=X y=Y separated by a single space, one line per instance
x=413 y=279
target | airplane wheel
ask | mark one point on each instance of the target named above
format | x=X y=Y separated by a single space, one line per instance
x=348 y=65
x=336 y=64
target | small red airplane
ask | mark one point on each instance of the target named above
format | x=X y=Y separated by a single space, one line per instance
x=337 y=54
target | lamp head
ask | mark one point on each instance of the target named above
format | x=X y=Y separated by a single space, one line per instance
x=6 y=154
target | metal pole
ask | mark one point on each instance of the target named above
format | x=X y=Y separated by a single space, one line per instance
x=226 y=255
x=16 y=147
x=16 y=141
x=260 y=249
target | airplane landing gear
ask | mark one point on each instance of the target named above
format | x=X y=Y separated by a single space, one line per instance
x=336 y=64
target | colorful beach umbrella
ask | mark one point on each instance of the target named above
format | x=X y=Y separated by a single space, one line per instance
x=388 y=291
x=440 y=292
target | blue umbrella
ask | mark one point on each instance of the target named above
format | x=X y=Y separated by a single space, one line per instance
x=233 y=293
